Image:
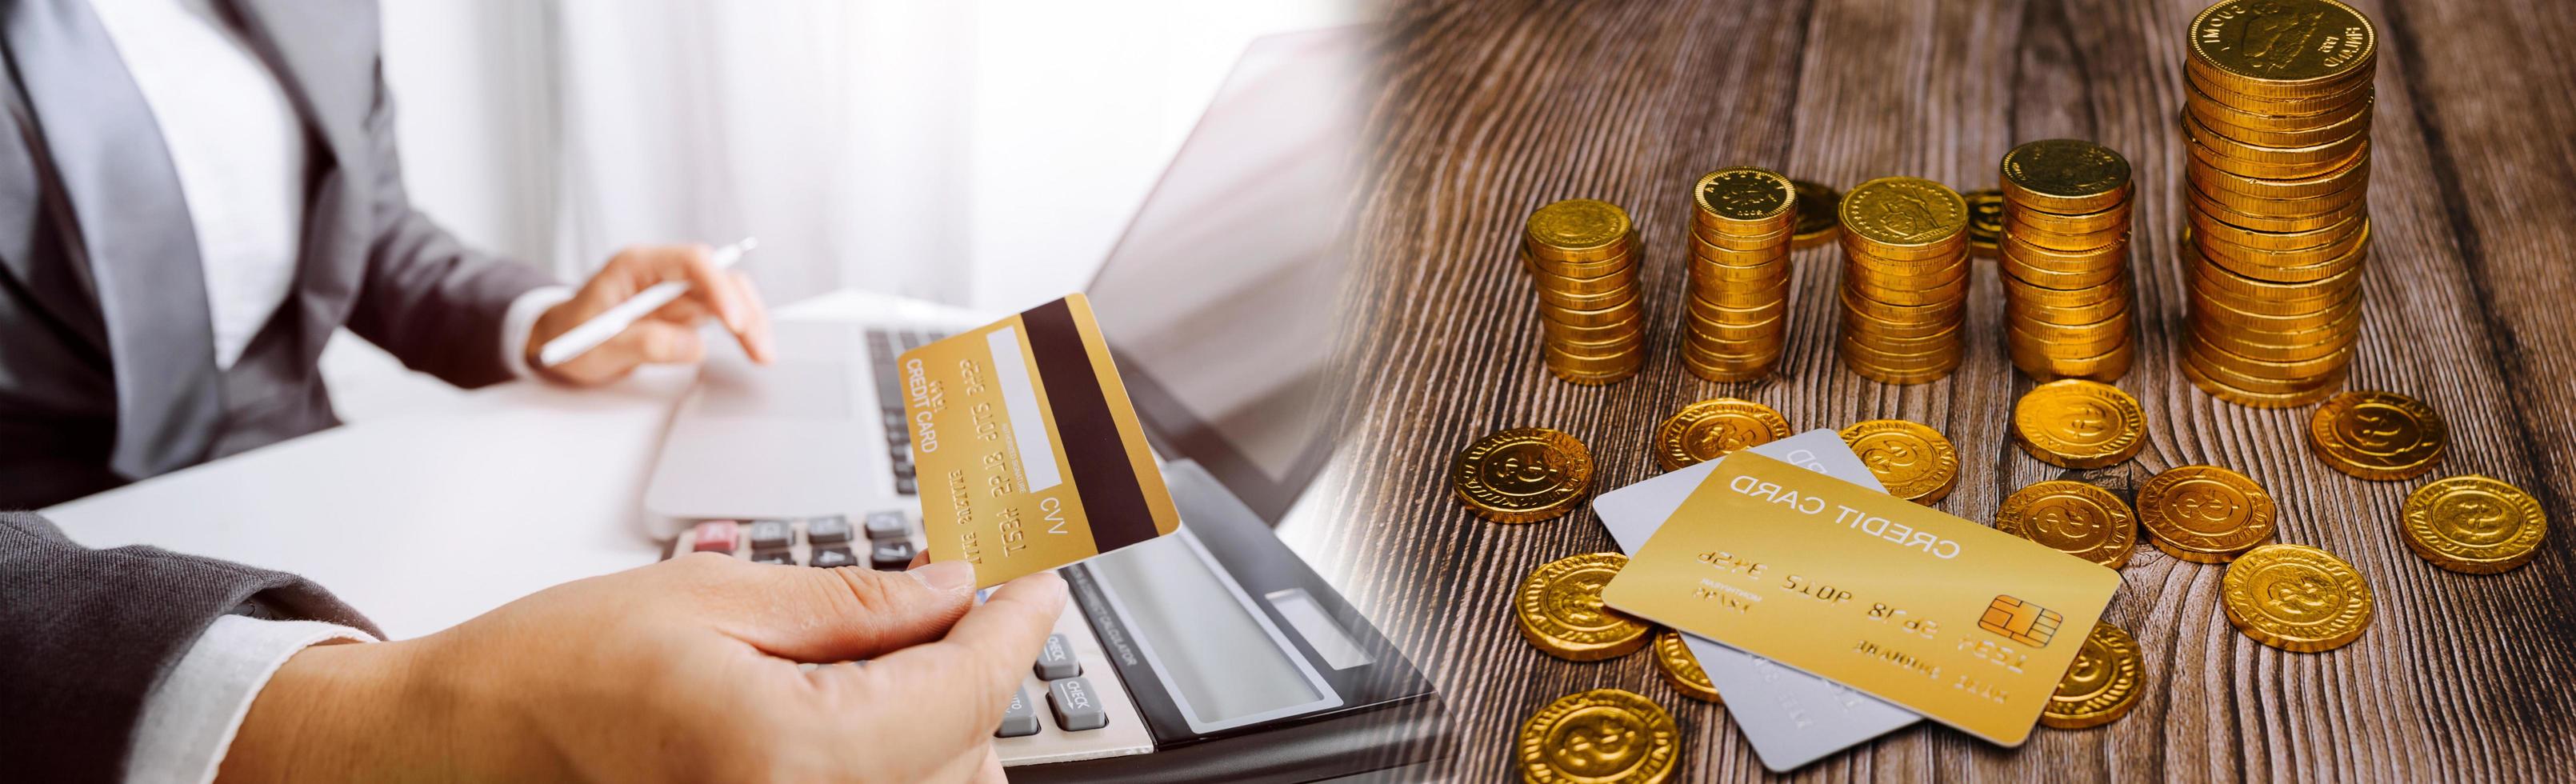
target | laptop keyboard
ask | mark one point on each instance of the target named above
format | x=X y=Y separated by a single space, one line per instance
x=884 y=345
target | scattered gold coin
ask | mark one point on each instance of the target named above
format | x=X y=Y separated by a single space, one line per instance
x=2103 y=683
x=1522 y=474
x=1910 y=458
x=2377 y=435
x=2079 y=424
x=1598 y=737
x=2205 y=513
x=2076 y=518
x=2474 y=524
x=1681 y=669
x=2296 y=598
x=1817 y=222
x=1704 y=430
x=1559 y=610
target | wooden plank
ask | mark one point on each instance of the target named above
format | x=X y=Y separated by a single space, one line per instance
x=1492 y=109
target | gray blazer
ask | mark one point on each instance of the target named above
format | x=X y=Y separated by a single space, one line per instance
x=107 y=372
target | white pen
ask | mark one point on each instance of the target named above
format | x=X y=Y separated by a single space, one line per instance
x=615 y=320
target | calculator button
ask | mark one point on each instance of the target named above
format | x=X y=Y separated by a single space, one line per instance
x=714 y=536
x=780 y=557
x=904 y=485
x=771 y=534
x=827 y=530
x=1055 y=661
x=828 y=557
x=1075 y=709
x=888 y=525
x=1021 y=719
x=894 y=555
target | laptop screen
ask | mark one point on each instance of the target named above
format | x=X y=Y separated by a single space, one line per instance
x=1219 y=298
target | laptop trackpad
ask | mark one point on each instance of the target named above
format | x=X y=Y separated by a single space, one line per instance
x=786 y=390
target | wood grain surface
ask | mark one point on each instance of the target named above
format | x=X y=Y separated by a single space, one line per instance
x=1492 y=109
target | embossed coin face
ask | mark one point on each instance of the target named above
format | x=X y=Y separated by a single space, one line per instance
x=1713 y=427
x=2296 y=598
x=1904 y=211
x=1559 y=609
x=1578 y=224
x=1985 y=221
x=2102 y=684
x=2474 y=524
x=1744 y=193
x=2283 y=40
x=1910 y=458
x=1600 y=736
x=2066 y=169
x=2079 y=424
x=1818 y=218
x=2076 y=518
x=2378 y=435
x=2205 y=513
x=1521 y=475
x=1681 y=668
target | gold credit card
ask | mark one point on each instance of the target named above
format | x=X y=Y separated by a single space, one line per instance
x=1028 y=453
x=1965 y=624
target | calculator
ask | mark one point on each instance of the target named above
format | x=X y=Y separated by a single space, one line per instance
x=1213 y=654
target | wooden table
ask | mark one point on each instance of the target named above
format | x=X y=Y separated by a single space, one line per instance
x=1492 y=109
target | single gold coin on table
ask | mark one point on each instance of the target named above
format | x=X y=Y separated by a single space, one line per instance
x=2474 y=524
x=1602 y=736
x=2103 y=683
x=1910 y=458
x=1704 y=430
x=1522 y=475
x=2077 y=423
x=1817 y=222
x=2205 y=513
x=2296 y=598
x=1681 y=668
x=2072 y=517
x=2378 y=435
x=1558 y=609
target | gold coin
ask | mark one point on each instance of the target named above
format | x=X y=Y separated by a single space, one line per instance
x=1745 y=194
x=1985 y=221
x=2070 y=176
x=1817 y=214
x=2079 y=424
x=1704 y=430
x=2205 y=513
x=1521 y=474
x=2071 y=517
x=2296 y=598
x=2377 y=435
x=1905 y=213
x=1559 y=610
x=1681 y=669
x=1910 y=458
x=2103 y=683
x=1602 y=736
x=1578 y=224
x=2284 y=48
x=2474 y=524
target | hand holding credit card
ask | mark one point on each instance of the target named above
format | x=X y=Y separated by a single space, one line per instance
x=1030 y=454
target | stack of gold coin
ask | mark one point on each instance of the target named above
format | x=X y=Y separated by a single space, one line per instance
x=1741 y=223
x=1905 y=279
x=1985 y=222
x=2065 y=259
x=2276 y=120
x=1817 y=222
x=1583 y=256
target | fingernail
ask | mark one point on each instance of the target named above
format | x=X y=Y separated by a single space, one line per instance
x=945 y=575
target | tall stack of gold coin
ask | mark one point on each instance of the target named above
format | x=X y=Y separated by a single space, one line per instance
x=2065 y=257
x=1905 y=279
x=1740 y=231
x=1583 y=256
x=2277 y=122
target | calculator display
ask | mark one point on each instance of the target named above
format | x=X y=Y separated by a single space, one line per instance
x=1224 y=662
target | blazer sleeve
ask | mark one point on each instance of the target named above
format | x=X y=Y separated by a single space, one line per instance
x=426 y=297
x=84 y=635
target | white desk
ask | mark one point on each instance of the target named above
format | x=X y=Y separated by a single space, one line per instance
x=428 y=518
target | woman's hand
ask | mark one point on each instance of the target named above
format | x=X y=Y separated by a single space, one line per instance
x=670 y=334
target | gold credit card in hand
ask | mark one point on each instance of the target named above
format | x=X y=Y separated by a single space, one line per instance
x=1965 y=624
x=1029 y=454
